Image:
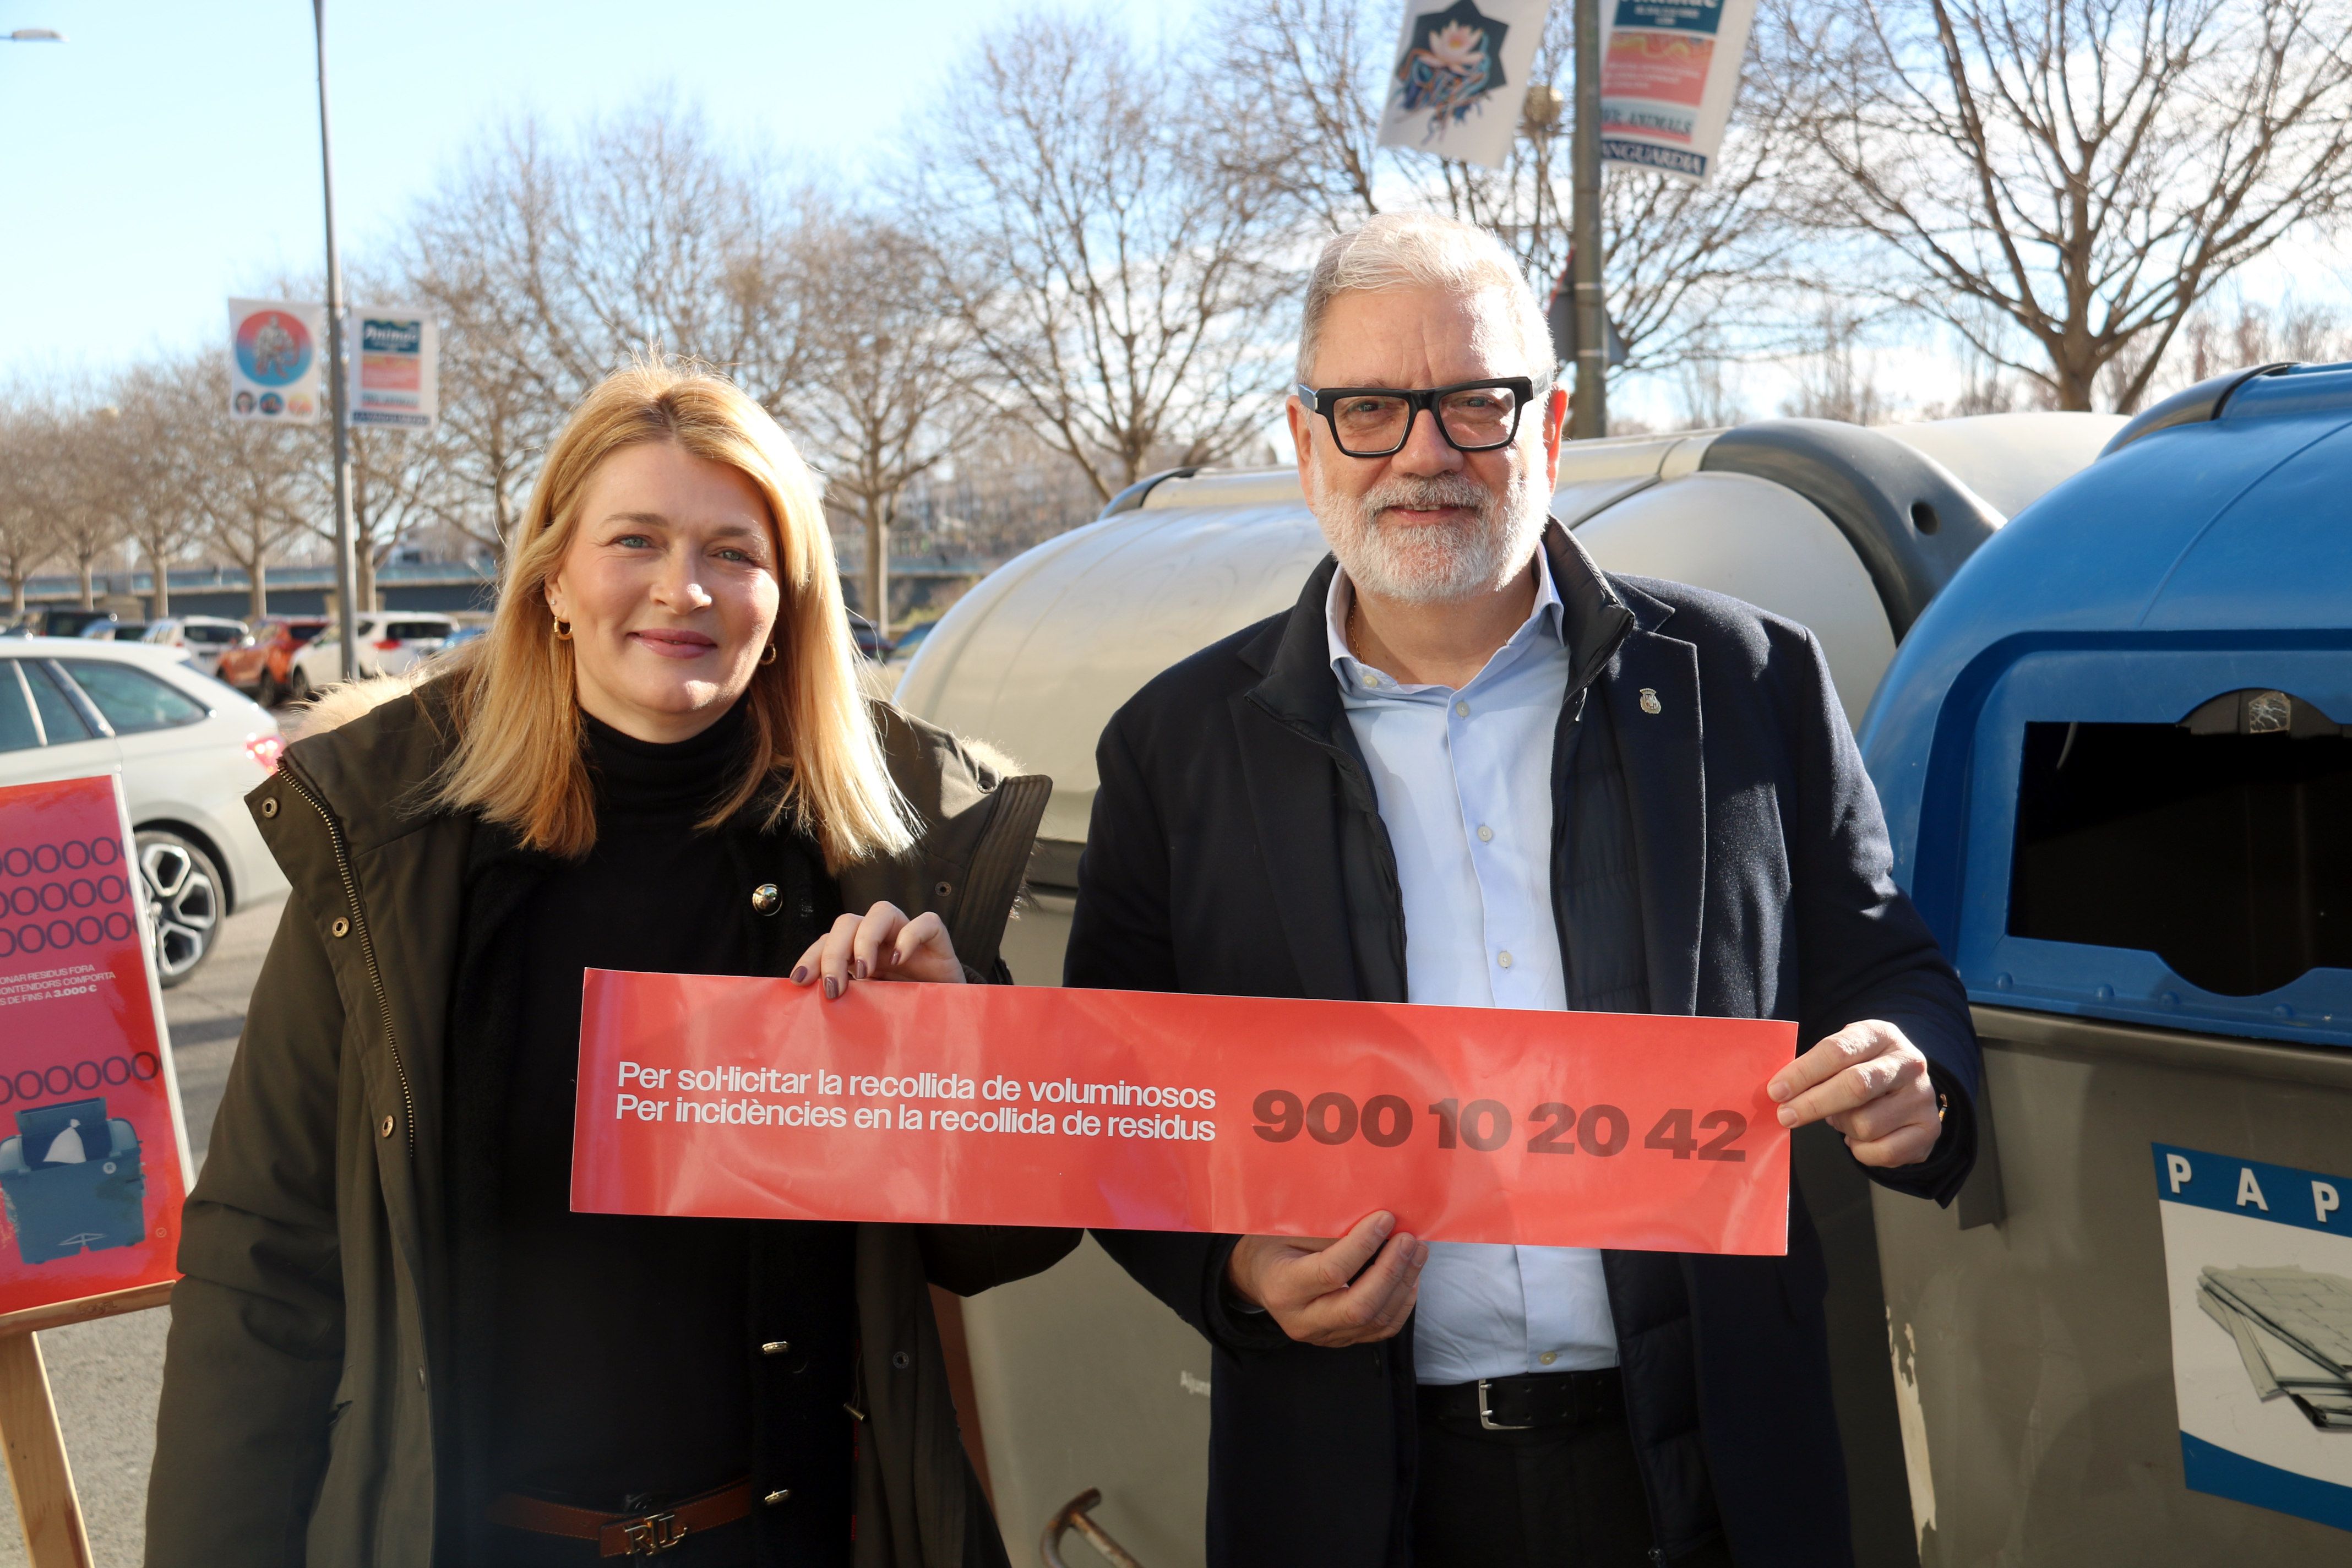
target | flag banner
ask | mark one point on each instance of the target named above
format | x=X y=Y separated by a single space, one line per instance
x=731 y=1097
x=396 y=369
x=93 y=1161
x=1669 y=72
x=277 y=351
x=1461 y=77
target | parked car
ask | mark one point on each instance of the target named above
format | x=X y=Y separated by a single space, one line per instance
x=259 y=665
x=902 y=650
x=203 y=638
x=867 y=636
x=389 y=643
x=65 y=622
x=189 y=749
x=466 y=634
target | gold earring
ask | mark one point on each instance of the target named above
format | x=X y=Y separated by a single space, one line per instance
x=768 y=657
x=562 y=631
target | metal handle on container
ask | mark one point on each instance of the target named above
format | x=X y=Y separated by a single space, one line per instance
x=1073 y=1516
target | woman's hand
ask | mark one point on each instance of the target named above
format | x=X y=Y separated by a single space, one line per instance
x=881 y=944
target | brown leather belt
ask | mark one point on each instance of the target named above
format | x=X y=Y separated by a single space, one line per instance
x=625 y=1534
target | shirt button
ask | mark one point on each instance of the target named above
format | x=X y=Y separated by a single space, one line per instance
x=1503 y=959
x=1548 y=1358
x=1462 y=709
x=1371 y=680
x=1486 y=834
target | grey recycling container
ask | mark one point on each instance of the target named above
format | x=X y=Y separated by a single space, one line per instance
x=2115 y=756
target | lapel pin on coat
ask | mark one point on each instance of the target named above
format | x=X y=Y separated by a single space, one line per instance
x=1650 y=703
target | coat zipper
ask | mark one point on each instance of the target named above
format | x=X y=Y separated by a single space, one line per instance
x=367 y=945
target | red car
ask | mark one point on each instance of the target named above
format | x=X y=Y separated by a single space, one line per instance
x=257 y=666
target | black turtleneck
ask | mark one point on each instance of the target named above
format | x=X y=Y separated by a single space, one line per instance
x=621 y=1368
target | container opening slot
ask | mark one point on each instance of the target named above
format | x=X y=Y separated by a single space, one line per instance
x=2227 y=855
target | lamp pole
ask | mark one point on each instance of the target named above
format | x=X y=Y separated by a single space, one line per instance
x=337 y=387
x=1589 y=416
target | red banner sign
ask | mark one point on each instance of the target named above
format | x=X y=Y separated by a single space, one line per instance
x=92 y=1162
x=1015 y=1105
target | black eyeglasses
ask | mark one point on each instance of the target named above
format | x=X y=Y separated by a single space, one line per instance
x=1376 y=421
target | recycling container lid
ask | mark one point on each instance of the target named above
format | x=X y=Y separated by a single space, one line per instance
x=2115 y=753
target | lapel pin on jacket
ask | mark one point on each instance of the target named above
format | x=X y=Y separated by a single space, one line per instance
x=1649 y=700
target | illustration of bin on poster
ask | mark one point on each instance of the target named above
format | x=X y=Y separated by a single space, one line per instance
x=396 y=369
x=276 y=348
x=1669 y=72
x=93 y=1156
x=2258 y=1270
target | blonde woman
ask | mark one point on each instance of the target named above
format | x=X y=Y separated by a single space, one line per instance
x=395 y=1344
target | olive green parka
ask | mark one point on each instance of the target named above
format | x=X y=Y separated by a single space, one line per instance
x=298 y=1418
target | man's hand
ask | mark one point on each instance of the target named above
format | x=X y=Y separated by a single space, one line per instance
x=1305 y=1285
x=1871 y=1084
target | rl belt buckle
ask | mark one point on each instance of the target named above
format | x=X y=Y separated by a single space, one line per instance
x=654 y=1533
x=1487 y=1422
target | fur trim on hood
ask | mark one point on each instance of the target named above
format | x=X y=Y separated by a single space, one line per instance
x=340 y=703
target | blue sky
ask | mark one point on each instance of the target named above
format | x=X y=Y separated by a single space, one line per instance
x=167 y=155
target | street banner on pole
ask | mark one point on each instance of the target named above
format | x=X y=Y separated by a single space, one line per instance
x=1461 y=77
x=1669 y=72
x=275 y=374
x=724 y=1096
x=396 y=372
x=93 y=1158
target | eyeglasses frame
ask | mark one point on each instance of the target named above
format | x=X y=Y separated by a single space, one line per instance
x=1319 y=400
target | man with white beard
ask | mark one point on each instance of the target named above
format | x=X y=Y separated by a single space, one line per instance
x=1471 y=769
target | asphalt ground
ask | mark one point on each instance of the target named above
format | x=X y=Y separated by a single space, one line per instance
x=104 y=1376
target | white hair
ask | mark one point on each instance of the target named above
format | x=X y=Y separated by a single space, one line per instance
x=1423 y=250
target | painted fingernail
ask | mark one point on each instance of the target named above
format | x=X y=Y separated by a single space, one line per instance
x=832 y=988
x=862 y=969
x=800 y=975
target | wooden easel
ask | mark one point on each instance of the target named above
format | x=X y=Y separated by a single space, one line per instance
x=39 y=1472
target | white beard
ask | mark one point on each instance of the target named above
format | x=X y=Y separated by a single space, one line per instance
x=1436 y=563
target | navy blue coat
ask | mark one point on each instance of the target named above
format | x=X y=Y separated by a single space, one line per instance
x=1232 y=850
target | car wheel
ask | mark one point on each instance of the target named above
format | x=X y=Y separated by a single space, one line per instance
x=297 y=686
x=266 y=692
x=183 y=888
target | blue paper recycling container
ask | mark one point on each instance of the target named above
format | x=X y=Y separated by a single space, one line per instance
x=2115 y=756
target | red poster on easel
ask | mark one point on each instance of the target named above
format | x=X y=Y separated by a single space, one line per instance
x=716 y=1095
x=93 y=1158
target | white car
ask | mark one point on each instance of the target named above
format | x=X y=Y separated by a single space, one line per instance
x=203 y=638
x=189 y=749
x=389 y=643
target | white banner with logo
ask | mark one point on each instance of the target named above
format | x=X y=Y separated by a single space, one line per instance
x=276 y=351
x=1669 y=72
x=395 y=366
x=1461 y=77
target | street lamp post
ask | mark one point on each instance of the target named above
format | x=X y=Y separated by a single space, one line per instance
x=337 y=387
x=1589 y=413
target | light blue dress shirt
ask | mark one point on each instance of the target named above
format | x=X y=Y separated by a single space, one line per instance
x=1464 y=780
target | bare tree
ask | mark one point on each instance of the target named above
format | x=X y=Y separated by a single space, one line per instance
x=1836 y=380
x=246 y=481
x=1120 y=283
x=29 y=534
x=152 y=431
x=888 y=358
x=2081 y=171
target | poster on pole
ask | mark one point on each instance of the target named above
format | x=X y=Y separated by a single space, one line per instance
x=396 y=369
x=93 y=1147
x=1461 y=77
x=1669 y=72
x=277 y=351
